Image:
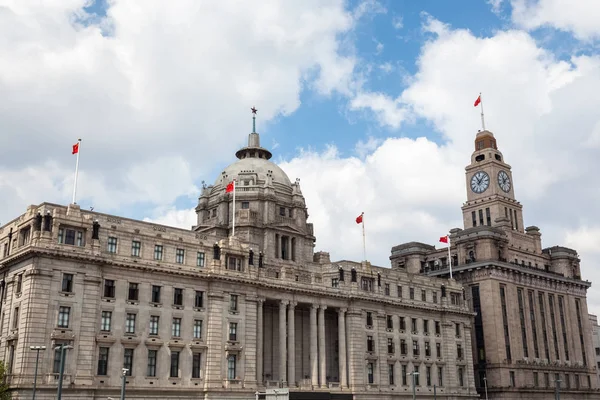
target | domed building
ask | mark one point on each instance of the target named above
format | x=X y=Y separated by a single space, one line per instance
x=238 y=307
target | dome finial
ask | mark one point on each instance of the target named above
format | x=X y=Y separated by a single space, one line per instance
x=254 y=110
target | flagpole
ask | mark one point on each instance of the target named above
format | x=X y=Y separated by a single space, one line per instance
x=76 y=170
x=481 y=104
x=449 y=256
x=364 y=240
x=233 y=231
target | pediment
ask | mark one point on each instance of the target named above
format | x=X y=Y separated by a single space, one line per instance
x=287 y=228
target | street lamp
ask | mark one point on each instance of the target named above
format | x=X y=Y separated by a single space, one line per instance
x=557 y=389
x=414 y=386
x=63 y=351
x=485 y=385
x=37 y=359
x=124 y=380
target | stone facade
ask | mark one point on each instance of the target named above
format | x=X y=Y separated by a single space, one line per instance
x=531 y=326
x=596 y=341
x=201 y=313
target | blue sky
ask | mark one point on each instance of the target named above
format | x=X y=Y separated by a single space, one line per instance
x=369 y=102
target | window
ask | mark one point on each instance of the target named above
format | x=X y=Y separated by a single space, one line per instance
x=370 y=372
x=178 y=297
x=63 y=317
x=176 y=327
x=389 y=322
x=70 y=236
x=461 y=378
x=546 y=379
x=411 y=293
x=438 y=328
x=416 y=376
x=282 y=211
x=158 y=252
x=366 y=284
x=512 y=378
x=522 y=319
x=231 y=361
x=154 y=324
x=369 y=343
x=151 y=363
x=102 y=361
x=427 y=349
x=112 y=244
x=480 y=217
x=438 y=350
x=399 y=288
x=505 y=322
x=391 y=373
x=16 y=318
x=434 y=297
x=179 y=256
x=404 y=374
x=386 y=289
x=403 y=348
x=155 y=294
x=335 y=282
x=200 y=259
x=199 y=299
x=109 y=288
x=552 y=324
x=459 y=352
x=414 y=325
x=474 y=218
x=534 y=334
x=245 y=205
x=19 y=283
x=128 y=361
x=440 y=376
x=233 y=331
x=130 y=323
x=428 y=375
x=234 y=263
x=402 y=324
x=67 y=283
x=457 y=328
x=135 y=248
x=581 y=342
x=488 y=217
x=196 y=358
x=198 y=329
x=423 y=295
x=536 y=380
x=426 y=326
x=106 y=321
x=369 y=318
x=56 y=360
x=233 y=302
x=133 y=292
x=174 y=373
x=390 y=346
x=415 y=348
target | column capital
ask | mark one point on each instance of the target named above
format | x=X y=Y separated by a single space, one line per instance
x=293 y=304
x=342 y=310
x=260 y=300
x=283 y=302
x=323 y=307
x=314 y=307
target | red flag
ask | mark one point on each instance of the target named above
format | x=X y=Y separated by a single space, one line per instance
x=444 y=239
x=229 y=187
x=75 y=148
x=359 y=218
x=477 y=101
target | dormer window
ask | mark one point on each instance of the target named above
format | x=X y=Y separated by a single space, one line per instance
x=234 y=263
x=73 y=237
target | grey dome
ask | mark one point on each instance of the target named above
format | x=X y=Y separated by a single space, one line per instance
x=253 y=165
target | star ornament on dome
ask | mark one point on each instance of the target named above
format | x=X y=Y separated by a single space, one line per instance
x=254 y=110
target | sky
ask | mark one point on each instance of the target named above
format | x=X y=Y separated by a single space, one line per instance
x=369 y=103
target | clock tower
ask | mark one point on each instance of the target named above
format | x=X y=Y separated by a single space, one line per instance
x=490 y=191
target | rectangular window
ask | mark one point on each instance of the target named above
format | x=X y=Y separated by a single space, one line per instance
x=370 y=372
x=79 y=240
x=480 y=217
x=196 y=358
x=112 y=244
x=564 y=326
x=438 y=350
x=387 y=289
x=414 y=325
x=474 y=218
x=428 y=375
x=440 y=376
x=233 y=331
x=63 y=317
x=415 y=348
x=369 y=319
x=505 y=322
x=16 y=318
x=411 y=293
x=106 y=321
x=416 y=376
x=109 y=288
x=390 y=346
x=56 y=361
x=136 y=246
x=133 y=292
x=512 y=221
x=245 y=205
x=200 y=259
x=543 y=321
x=335 y=282
x=178 y=297
x=461 y=378
x=176 y=327
x=102 y=361
x=151 y=363
x=553 y=325
x=155 y=294
x=403 y=347
x=438 y=328
x=522 y=320
x=199 y=299
x=423 y=295
x=179 y=256
x=154 y=324
x=402 y=324
x=198 y=329
x=427 y=349
x=158 y=252
x=404 y=375
x=426 y=326
x=399 y=288
x=130 y=323
x=536 y=350
x=546 y=379
x=128 y=361
x=536 y=381
x=488 y=217
x=231 y=364
x=511 y=374
x=459 y=351
x=457 y=328
x=70 y=237
x=369 y=343
x=174 y=370
x=67 y=283
x=61 y=238
x=389 y=322
x=435 y=299
x=581 y=342
x=391 y=373
x=233 y=302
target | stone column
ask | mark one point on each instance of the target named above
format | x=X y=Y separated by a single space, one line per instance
x=291 y=345
x=259 y=343
x=314 y=366
x=322 y=362
x=282 y=346
x=342 y=346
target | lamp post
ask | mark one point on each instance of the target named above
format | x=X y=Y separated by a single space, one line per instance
x=124 y=381
x=37 y=359
x=557 y=389
x=485 y=386
x=63 y=351
x=414 y=386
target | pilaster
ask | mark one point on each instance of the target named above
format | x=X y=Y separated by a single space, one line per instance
x=215 y=354
x=259 y=342
x=291 y=345
x=342 y=347
x=282 y=344
x=314 y=358
x=322 y=350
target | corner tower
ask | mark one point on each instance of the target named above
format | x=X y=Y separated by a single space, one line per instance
x=270 y=211
x=490 y=190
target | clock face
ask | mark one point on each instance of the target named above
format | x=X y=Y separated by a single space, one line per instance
x=480 y=182
x=504 y=181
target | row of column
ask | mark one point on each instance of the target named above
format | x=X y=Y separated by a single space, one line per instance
x=318 y=364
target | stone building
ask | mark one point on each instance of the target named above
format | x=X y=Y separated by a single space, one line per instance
x=531 y=327
x=202 y=313
x=596 y=341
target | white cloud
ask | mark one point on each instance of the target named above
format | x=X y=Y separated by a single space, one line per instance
x=398 y=22
x=379 y=47
x=386 y=67
x=387 y=110
x=579 y=17
x=496 y=5
x=172 y=216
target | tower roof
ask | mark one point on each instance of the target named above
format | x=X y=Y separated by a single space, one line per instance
x=485 y=140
